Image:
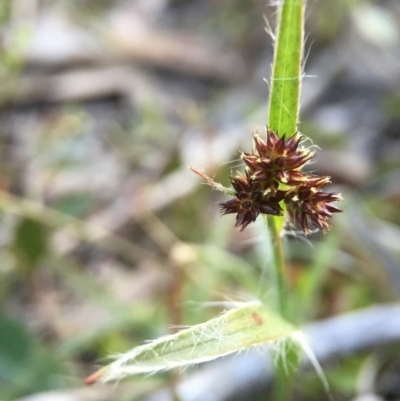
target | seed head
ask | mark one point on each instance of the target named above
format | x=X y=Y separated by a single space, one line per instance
x=250 y=200
x=273 y=174
x=308 y=204
x=278 y=159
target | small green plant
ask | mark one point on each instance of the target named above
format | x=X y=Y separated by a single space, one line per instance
x=273 y=185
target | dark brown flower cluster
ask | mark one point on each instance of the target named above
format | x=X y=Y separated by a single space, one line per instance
x=273 y=174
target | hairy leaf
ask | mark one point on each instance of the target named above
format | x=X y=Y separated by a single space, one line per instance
x=247 y=325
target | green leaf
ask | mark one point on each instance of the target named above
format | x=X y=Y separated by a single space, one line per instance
x=30 y=242
x=25 y=366
x=248 y=325
x=15 y=348
x=286 y=73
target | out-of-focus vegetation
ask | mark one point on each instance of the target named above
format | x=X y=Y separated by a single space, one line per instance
x=109 y=240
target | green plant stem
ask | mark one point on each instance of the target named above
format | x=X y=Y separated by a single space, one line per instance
x=279 y=267
x=283 y=115
x=283 y=112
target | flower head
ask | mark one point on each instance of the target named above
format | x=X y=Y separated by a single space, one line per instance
x=308 y=204
x=278 y=160
x=273 y=174
x=251 y=200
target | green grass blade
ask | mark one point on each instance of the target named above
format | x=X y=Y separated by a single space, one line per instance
x=238 y=329
x=286 y=74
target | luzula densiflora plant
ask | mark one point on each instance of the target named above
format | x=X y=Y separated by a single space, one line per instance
x=274 y=184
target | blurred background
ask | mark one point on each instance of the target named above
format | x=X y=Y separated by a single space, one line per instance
x=108 y=240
